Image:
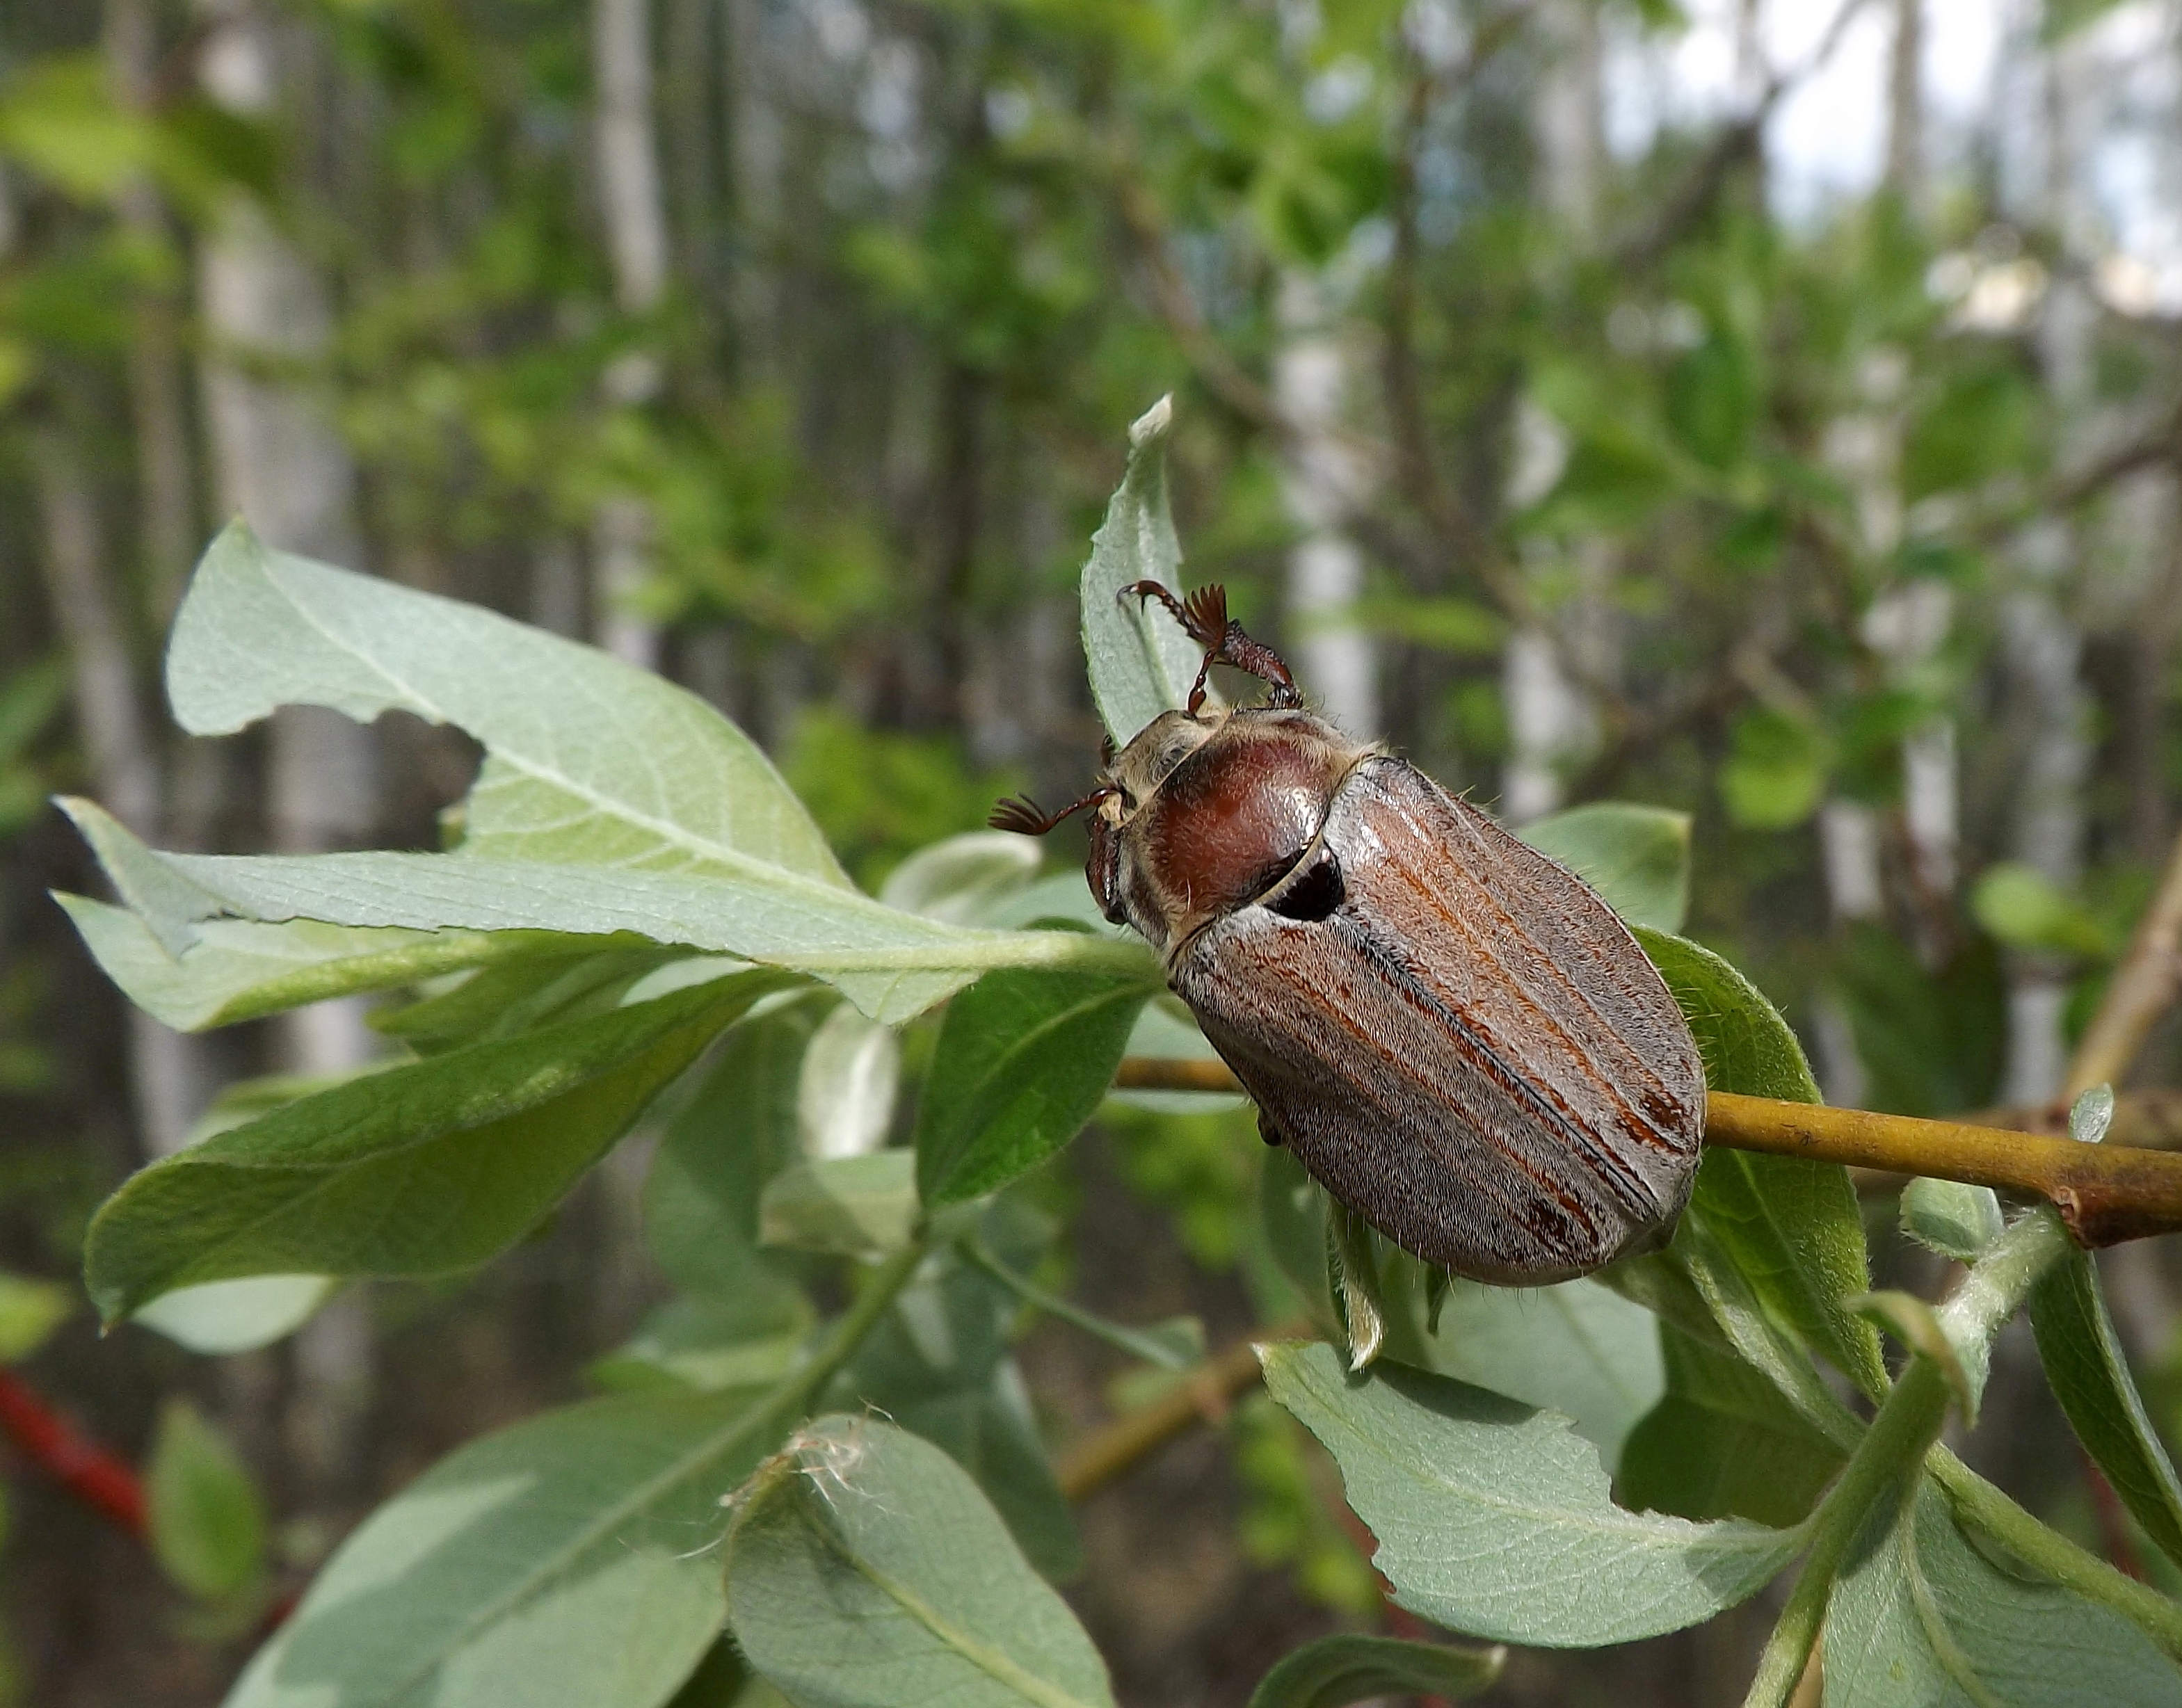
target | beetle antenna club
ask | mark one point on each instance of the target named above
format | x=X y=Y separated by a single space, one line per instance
x=1204 y=618
x=1026 y=817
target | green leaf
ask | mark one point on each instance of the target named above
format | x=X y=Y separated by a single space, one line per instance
x=588 y=761
x=1956 y=1220
x=962 y=880
x=2020 y=905
x=853 y=1207
x=218 y=1318
x=1747 y=1046
x=1923 y=1617
x=1495 y=1519
x=891 y=964
x=845 y=1094
x=735 y=1132
x=562 y=978
x=2090 y=1378
x=1577 y=1348
x=1022 y=1061
x=1723 y=1442
x=240 y=969
x=417 y=1171
x=865 y=1570
x=1777 y=773
x=29 y=1312
x=1173 y=1345
x=1791 y=1226
x=1141 y=662
x=561 y=1563
x=1337 y=1671
x=1917 y=1325
x=1636 y=857
x=937 y=1365
x=208 y=1526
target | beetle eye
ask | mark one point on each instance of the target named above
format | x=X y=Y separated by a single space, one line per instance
x=1317 y=891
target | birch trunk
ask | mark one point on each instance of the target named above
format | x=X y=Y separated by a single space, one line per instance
x=158 y=387
x=1551 y=720
x=634 y=214
x=169 y=1080
x=1322 y=479
x=280 y=464
x=2043 y=642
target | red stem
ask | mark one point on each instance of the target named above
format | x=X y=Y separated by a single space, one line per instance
x=86 y=1469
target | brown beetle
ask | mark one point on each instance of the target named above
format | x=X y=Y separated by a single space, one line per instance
x=1454 y=1034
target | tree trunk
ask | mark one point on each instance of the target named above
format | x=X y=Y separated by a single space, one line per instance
x=282 y=466
x=1551 y=719
x=165 y=469
x=169 y=1080
x=634 y=214
x=1321 y=480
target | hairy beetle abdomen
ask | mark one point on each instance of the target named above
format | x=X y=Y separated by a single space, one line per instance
x=1468 y=1046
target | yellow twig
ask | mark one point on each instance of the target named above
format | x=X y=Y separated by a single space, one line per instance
x=2107 y=1193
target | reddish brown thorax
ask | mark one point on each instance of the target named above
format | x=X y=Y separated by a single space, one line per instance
x=1220 y=807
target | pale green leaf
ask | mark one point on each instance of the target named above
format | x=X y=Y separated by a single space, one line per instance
x=587 y=760
x=962 y=880
x=937 y=1365
x=892 y=965
x=1636 y=857
x=844 y=1097
x=566 y=1562
x=208 y=1526
x=238 y=970
x=1922 y=1617
x=1956 y=1220
x=1337 y=1671
x=220 y=1318
x=1577 y=1348
x=1495 y=1519
x=1141 y=662
x=1918 y=1326
x=857 y=1206
x=417 y=1171
x=865 y=1570
x=1723 y=1442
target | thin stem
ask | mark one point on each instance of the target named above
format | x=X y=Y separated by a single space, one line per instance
x=1907 y=1424
x=855 y=1325
x=1133 y=1342
x=2045 y=1550
x=2141 y=989
x=1902 y=1435
x=1203 y=1395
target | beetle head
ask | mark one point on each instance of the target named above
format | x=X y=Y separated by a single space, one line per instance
x=1208 y=813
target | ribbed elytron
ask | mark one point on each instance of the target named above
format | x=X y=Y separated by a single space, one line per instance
x=1451 y=1032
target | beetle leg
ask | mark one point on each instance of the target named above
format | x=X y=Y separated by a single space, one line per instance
x=1026 y=817
x=1204 y=618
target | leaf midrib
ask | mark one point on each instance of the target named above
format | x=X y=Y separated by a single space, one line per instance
x=1652 y=1532
x=1002 y=1668
x=554 y=1563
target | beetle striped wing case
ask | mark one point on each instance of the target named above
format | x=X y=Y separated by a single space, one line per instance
x=1456 y=1037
